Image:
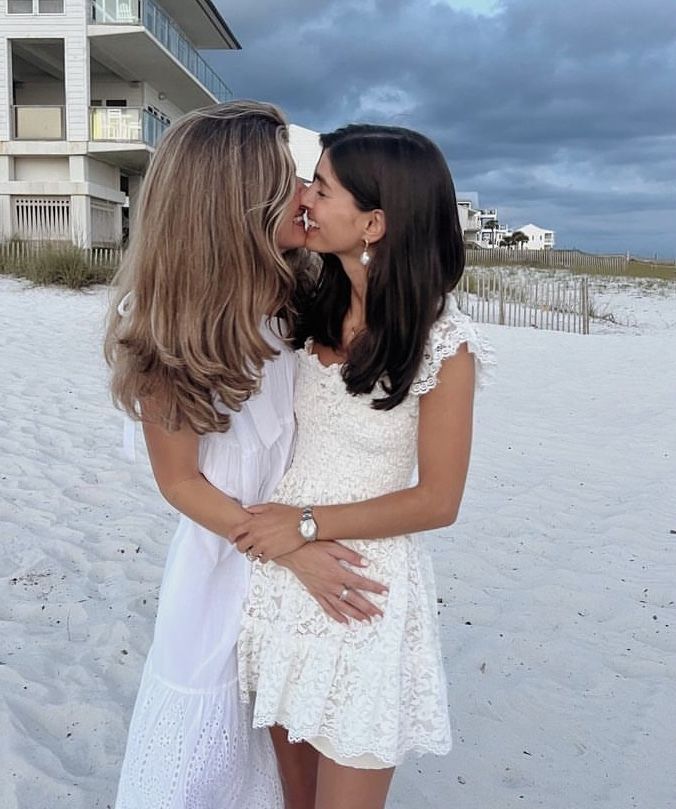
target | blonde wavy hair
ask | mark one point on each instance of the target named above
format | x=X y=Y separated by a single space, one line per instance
x=203 y=268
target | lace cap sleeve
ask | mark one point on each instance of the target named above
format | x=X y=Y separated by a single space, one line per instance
x=450 y=331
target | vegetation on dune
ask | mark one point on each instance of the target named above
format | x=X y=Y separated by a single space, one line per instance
x=69 y=265
x=56 y=263
x=572 y=261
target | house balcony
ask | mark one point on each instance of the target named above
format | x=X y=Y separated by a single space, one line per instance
x=125 y=125
x=124 y=136
x=138 y=40
x=38 y=122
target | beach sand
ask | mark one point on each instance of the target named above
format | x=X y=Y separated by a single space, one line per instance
x=556 y=585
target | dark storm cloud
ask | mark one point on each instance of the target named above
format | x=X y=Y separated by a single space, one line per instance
x=562 y=112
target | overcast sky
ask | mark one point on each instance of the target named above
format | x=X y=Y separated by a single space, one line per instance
x=557 y=112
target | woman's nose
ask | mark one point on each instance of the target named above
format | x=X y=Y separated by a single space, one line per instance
x=306 y=196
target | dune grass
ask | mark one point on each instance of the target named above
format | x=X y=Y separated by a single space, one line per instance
x=55 y=263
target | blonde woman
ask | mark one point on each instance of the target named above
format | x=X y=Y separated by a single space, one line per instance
x=198 y=354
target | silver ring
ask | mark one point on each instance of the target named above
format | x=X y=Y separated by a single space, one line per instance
x=344 y=594
x=250 y=556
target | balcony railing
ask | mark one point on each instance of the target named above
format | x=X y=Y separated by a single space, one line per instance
x=125 y=125
x=164 y=29
x=38 y=123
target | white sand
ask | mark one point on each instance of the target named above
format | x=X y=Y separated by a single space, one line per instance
x=557 y=584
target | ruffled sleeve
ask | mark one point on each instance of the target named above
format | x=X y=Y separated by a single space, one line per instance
x=449 y=332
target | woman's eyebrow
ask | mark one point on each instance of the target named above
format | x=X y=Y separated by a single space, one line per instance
x=321 y=179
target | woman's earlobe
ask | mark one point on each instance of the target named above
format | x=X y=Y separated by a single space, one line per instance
x=377 y=226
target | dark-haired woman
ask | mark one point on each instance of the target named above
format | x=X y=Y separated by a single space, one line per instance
x=386 y=379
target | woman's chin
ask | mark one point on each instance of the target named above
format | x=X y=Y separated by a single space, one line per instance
x=293 y=241
x=313 y=241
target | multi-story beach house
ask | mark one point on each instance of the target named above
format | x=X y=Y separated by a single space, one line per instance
x=86 y=89
x=491 y=232
x=469 y=219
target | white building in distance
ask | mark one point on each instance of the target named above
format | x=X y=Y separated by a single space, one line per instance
x=86 y=89
x=538 y=238
x=306 y=150
x=492 y=233
x=470 y=220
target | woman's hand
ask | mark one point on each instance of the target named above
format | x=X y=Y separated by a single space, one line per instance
x=270 y=532
x=320 y=566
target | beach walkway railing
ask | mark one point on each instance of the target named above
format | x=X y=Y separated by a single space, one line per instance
x=556 y=305
x=554 y=259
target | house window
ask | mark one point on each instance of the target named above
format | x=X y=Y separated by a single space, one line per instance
x=50 y=6
x=20 y=6
x=35 y=6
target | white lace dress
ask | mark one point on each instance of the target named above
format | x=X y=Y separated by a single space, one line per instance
x=365 y=693
x=191 y=743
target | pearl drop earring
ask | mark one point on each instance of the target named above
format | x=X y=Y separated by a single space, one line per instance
x=365 y=257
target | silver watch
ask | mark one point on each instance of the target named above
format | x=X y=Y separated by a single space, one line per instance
x=307 y=527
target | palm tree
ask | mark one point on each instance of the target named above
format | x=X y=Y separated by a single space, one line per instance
x=519 y=238
x=492 y=225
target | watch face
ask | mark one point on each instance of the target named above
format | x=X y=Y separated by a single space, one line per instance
x=308 y=529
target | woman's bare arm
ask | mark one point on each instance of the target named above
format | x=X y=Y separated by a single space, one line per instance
x=444 y=442
x=174 y=461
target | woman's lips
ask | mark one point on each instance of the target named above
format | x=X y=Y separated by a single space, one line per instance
x=303 y=220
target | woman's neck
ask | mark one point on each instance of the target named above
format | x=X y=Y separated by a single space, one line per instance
x=353 y=321
x=356 y=272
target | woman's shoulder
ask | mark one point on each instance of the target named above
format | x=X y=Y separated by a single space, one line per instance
x=452 y=329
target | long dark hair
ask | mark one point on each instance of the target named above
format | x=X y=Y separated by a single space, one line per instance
x=419 y=260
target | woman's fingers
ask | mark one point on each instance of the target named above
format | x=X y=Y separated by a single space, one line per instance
x=349 y=609
x=342 y=609
x=356 y=582
x=330 y=610
x=351 y=579
x=363 y=605
x=339 y=551
x=243 y=543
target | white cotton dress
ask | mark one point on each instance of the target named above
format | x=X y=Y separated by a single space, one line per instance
x=191 y=743
x=363 y=694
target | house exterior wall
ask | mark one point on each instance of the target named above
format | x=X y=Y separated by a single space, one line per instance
x=6 y=174
x=151 y=98
x=41 y=169
x=470 y=222
x=5 y=84
x=103 y=174
x=106 y=90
